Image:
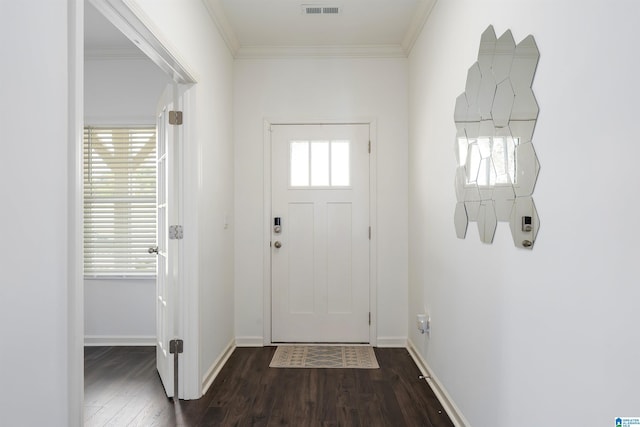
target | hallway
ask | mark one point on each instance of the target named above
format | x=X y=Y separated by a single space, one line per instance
x=122 y=388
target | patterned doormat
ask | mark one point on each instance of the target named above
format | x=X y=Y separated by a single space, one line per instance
x=322 y=356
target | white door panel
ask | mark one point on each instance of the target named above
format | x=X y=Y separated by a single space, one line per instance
x=320 y=274
x=167 y=213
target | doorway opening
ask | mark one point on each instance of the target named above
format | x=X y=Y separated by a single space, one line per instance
x=118 y=14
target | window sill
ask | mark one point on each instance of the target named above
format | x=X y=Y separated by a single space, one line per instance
x=119 y=277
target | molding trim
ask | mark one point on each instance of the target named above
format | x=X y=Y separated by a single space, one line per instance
x=217 y=365
x=392 y=342
x=190 y=276
x=219 y=18
x=249 y=341
x=354 y=51
x=420 y=17
x=441 y=393
x=119 y=340
x=130 y=19
x=75 y=284
x=373 y=222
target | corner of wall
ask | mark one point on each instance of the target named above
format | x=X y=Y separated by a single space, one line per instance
x=250 y=341
x=216 y=366
x=441 y=393
x=392 y=342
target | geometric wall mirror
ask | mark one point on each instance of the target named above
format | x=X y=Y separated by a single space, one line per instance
x=497 y=167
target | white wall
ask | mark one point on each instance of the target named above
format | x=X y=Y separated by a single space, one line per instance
x=35 y=176
x=121 y=92
x=188 y=30
x=548 y=336
x=322 y=89
x=120 y=311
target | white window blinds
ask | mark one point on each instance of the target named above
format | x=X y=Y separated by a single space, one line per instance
x=119 y=201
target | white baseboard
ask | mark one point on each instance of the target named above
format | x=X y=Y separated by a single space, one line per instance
x=249 y=342
x=215 y=368
x=441 y=393
x=119 y=340
x=392 y=342
x=389 y=342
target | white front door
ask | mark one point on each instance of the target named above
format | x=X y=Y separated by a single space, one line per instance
x=320 y=252
x=167 y=249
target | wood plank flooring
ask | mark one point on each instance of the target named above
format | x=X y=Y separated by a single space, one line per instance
x=122 y=388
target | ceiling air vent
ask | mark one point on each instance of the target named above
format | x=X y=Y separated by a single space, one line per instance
x=320 y=10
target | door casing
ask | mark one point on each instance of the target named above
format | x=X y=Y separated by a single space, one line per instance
x=123 y=16
x=266 y=277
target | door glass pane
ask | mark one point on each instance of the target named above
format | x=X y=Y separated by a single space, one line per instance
x=299 y=164
x=340 y=163
x=319 y=163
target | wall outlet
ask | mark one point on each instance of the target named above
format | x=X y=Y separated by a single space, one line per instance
x=423 y=323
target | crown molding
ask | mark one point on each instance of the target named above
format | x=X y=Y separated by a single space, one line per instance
x=353 y=51
x=420 y=18
x=219 y=18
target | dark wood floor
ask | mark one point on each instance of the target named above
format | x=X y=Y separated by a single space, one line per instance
x=122 y=388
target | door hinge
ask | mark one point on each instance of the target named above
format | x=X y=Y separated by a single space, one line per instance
x=175 y=232
x=369 y=232
x=369 y=147
x=175 y=117
x=176 y=346
x=369 y=318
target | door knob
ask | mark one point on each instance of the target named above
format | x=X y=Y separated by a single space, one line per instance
x=277 y=244
x=153 y=250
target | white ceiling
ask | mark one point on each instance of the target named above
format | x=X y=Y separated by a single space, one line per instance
x=273 y=27
x=361 y=25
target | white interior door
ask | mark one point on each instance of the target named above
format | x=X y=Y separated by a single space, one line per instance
x=167 y=249
x=320 y=253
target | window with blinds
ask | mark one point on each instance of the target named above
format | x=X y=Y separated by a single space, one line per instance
x=119 y=201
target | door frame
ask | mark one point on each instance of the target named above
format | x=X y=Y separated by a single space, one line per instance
x=133 y=24
x=127 y=17
x=266 y=236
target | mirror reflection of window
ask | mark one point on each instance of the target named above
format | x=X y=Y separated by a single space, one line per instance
x=503 y=156
x=488 y=161
x=473 y=164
